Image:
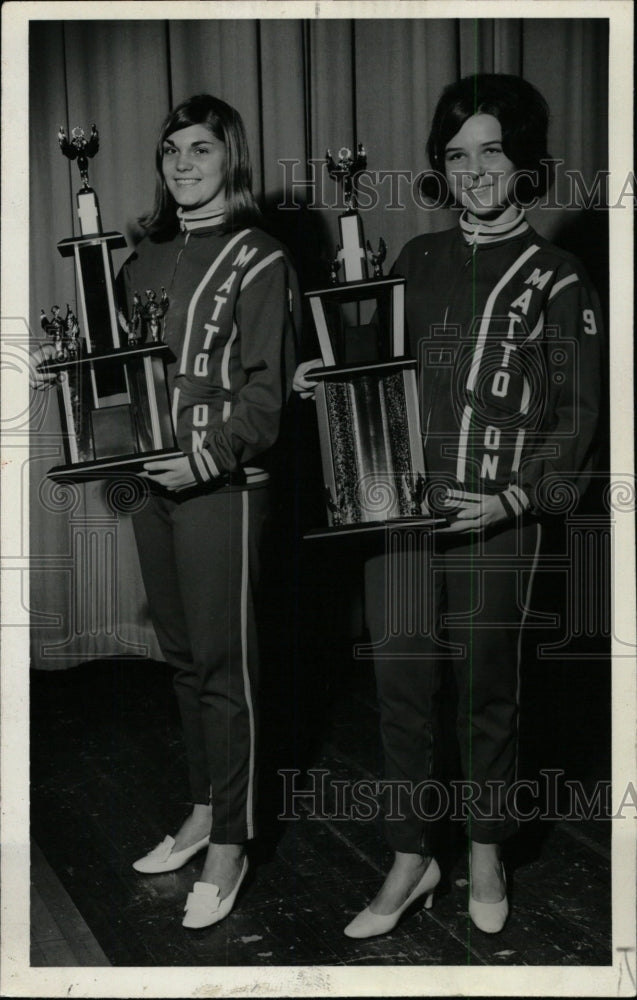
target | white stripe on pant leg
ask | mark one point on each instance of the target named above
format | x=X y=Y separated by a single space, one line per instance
x=245 y=571
x=524 y=615
x=462 y=443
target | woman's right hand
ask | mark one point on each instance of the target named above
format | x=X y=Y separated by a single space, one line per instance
x=301 y=383
x=42 y=380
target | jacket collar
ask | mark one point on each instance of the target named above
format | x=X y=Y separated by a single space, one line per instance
x=203 y=218
x=475 y=233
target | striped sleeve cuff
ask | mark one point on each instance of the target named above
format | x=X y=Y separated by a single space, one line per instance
x=515 y=501
x=203 y=466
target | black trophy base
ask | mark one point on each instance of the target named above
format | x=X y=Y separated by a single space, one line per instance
x=114 y=431
x=114 y=410
x=108 y=467
x=371 y=527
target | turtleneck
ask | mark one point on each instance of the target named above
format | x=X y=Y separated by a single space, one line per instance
x=475 y=233
x=199 y=218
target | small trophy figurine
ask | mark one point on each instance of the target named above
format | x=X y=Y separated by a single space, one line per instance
x=65 y=333
x=153 y=312
x=376 y=257
x=72 y=330
x=149 y=313
x=53 y=327
x=80 y=148
x=132 y=327
x=335 y=266
x=346 y=169
x=60 y=347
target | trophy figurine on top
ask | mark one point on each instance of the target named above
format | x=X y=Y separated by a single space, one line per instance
x=366 y=394
x=113 y=398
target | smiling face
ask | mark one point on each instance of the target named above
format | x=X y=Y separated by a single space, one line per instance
x=194 y=168
x=478 y=171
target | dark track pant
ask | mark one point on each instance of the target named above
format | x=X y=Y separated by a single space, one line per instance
x=199 y=566
x=458 y=605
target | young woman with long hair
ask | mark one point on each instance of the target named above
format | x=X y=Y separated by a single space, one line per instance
x=233 y=308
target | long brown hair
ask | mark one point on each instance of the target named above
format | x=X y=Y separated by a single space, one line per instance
x=226 y=125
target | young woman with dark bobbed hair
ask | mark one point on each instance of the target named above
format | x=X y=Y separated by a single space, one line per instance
x=506 y=331
x=233 y=308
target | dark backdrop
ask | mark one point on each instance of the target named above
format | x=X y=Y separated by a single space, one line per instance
x=300 y=86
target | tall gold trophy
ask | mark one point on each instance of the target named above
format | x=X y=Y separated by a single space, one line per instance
x=366 y=397
x=112 y=396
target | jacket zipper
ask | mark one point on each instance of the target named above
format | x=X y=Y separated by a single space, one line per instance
x=174 y=274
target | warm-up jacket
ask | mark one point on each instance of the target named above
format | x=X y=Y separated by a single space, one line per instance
x=234 y=306
x=507 y=335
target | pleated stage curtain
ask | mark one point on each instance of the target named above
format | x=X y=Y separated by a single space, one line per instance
x=300 y=87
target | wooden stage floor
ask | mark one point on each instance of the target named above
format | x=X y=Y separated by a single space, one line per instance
x=108 y=782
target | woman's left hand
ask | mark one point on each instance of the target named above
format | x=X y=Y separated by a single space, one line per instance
x=478 y=516
x=37 y=379
x=303 y=383
x=171 y=473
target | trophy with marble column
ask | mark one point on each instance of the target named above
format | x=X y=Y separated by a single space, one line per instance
x=113 y=397
x=366 y=396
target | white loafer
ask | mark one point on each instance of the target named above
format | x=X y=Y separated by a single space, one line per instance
x=368 y=924
x=203 y=905
x=163 y=859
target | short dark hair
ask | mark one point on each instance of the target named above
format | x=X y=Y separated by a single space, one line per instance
x=226 y=125
x=523 y=115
